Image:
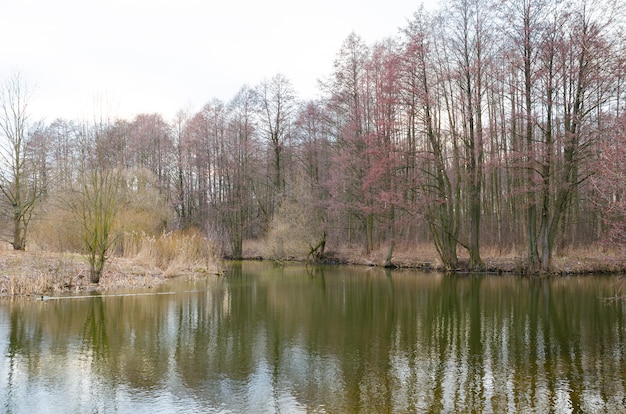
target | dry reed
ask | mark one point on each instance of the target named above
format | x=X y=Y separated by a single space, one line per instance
x=39 y=273
x=175 y=253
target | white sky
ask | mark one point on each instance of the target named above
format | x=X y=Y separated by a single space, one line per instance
x=124 y=57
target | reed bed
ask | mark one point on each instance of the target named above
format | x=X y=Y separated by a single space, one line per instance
x=175 y=253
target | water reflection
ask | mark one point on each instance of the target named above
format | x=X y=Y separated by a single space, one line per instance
x=270 y=339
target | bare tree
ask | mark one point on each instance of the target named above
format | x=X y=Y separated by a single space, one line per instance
x=276 y=100
x=241 y=153
x=439 y=186
x=94 y=202
x=18 y=182
x=348 y=125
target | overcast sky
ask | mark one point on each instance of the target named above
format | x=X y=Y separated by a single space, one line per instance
x=126 y=57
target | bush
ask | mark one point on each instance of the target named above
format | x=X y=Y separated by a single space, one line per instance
x=141 y=209
x=296 y=228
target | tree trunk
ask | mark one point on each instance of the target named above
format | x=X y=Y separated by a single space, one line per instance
x=96 y=266
x=387 y=262
x=476 y=262
x=19 y=235
x=94 y=276
x=531 y=233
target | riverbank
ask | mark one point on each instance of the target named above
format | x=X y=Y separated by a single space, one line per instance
x=592 y=260
x=574 y=262
x=37 y=273
x=142 y=261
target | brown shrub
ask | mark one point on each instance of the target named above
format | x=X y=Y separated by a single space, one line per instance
x=141 y=209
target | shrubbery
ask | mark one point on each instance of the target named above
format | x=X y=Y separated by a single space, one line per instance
x=139 y=231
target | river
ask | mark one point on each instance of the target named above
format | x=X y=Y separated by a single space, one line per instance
x=266 y=338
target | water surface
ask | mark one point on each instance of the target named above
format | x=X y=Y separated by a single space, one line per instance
x=338 y=339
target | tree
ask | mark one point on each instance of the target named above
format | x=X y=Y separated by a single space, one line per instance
x=609 y=182
x=577 y=63
x=62 y=138
x=435 y=174
x=93 y=199
x=204 y=138
x=182 y=199
x=276 y=102
x=296 y=229
x=142 y=207
x=97 y=205
x=314 y=156
x=382 y=182
x=348 y=124
x=471 y=50
x=524 y=27
x=151 y=146
x=240 y=165
x=19 y=183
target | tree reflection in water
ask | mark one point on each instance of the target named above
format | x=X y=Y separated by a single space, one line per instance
x=334 y=339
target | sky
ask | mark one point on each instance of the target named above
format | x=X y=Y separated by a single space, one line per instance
x=119 y=58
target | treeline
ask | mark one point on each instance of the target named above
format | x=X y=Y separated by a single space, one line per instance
x=479 y=124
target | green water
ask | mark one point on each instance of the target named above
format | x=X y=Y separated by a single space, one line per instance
x=337 y=339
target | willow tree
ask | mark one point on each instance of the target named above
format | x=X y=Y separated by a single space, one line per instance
x=93 y=199
x=98 y=202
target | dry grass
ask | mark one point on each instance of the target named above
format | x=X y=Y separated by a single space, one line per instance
x=175 y=253
x=38 y=273
x=121 y=272
x=254 y=249
x=417 y=256
x=591 y=259
x=147 y=261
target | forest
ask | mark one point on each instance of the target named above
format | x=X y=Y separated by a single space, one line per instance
x=479 y=126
